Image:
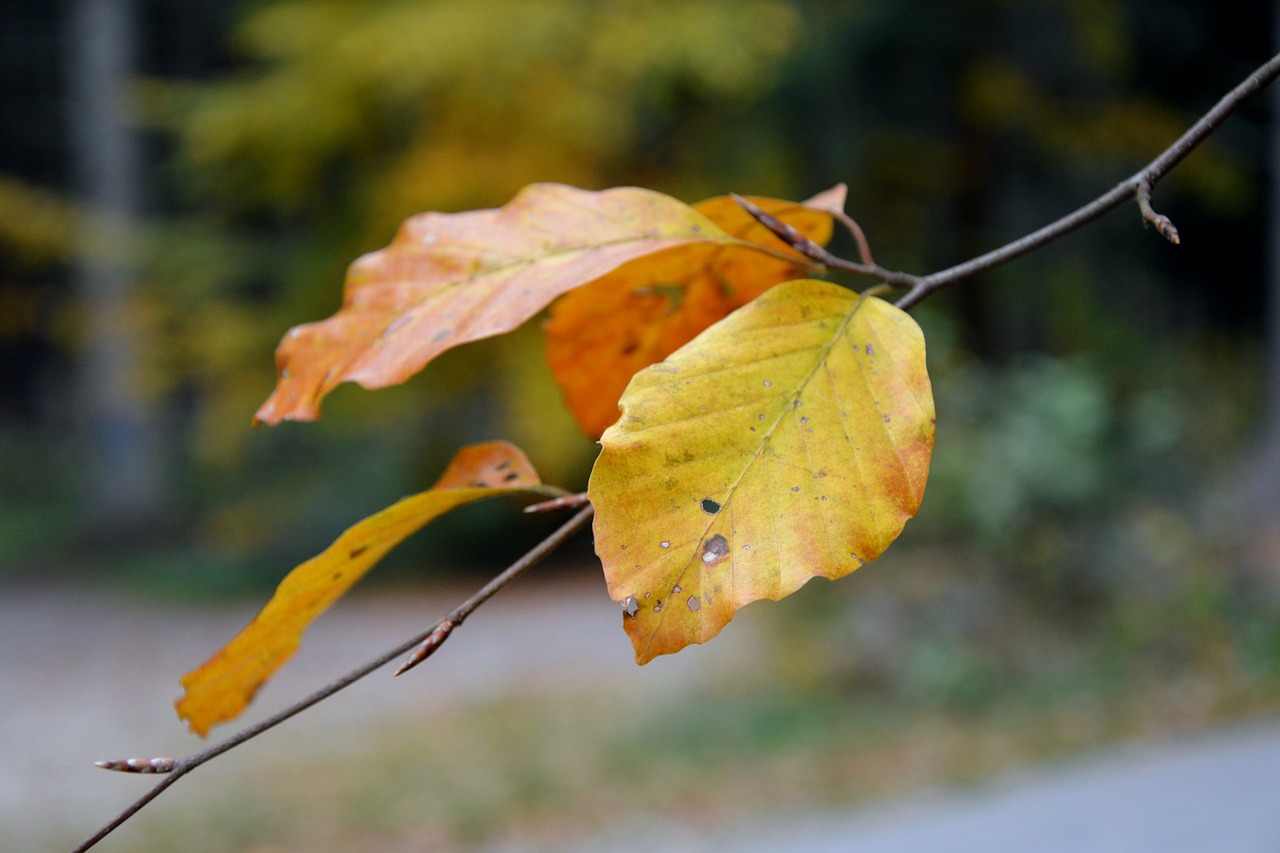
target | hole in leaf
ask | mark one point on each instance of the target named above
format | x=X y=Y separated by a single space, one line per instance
x=709 y=506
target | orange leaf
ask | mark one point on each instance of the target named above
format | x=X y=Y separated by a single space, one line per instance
x=223 y=686
x=599 y=335
x=448 y=279
x=790 y=440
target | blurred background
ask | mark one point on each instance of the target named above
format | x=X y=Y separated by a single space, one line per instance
x=181 y=182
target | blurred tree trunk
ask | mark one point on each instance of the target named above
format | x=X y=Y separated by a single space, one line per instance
x=124 y=474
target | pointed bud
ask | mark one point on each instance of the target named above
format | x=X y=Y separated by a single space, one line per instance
x=428 y=647
x=139 y=765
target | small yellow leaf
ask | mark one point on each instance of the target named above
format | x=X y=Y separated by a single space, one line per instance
x=790 y=440
x=223 y=686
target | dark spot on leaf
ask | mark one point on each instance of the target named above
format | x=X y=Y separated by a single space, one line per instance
x=657 y=608
x=504 y=465
x=356 y=552
x=441 y=335
x=716 y=549
x=870 y=351
x=479 y=484
x=337 y=576
x=647 y=594
x=709 y=506
x=511 y=475
x=795 y=488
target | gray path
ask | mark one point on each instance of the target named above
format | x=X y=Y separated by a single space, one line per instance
x=1216 y=793
x=83 y=677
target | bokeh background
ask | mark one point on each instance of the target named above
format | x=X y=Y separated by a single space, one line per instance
x=181 y=182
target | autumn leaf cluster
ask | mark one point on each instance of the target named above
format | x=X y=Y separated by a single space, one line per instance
x=759 y=427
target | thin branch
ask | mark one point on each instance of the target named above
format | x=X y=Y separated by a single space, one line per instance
x=815 y=252
x=183 y=766
x=859 y=237
x=1138 y=186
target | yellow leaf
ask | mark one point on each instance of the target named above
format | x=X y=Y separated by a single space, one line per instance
x=599 y=335
x=223 y=686
x=790 y=440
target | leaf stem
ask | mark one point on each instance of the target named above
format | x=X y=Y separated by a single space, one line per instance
x=183 y=766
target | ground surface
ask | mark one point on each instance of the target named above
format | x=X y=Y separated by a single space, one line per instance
x=87 y=677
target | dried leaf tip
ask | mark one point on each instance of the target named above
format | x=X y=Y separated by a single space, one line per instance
x=429 y=646
x=139 y=765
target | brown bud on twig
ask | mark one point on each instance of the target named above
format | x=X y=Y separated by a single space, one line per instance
x=783 y=231
x=1167 y=229
x=139 y=765
x=428 y=647
x=1162 y=223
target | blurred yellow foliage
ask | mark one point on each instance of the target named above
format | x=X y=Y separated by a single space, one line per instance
x=442 y=105
x=36 y=226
